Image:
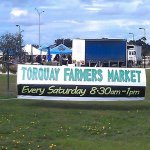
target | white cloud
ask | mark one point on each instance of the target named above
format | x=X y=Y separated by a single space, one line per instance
x=94 y=7
x=92 y=25
x=76 y=18
x=145 y=22
x=110 y=6
x=71 y=21
x=17 y=12
x=60 y=5
x=131 y=6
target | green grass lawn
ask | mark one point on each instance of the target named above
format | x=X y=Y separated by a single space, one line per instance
x=29 y=124
x=59 y=125
x=4 y=86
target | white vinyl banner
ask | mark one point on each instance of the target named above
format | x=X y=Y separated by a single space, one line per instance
x=80 y=83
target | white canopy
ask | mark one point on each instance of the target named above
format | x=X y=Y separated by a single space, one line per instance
x=31 y=50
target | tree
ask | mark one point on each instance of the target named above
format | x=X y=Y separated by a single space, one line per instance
x=11 y=44
x=66 y=42
x=145 y=46
x=35 y=45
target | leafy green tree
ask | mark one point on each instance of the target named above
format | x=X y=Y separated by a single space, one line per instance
x=145 y=46
x=36 y=46
x=66 y=42
x=11 y=43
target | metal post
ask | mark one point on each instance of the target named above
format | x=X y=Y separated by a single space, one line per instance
x=132 y=35
x=144 y=41
x=39 y=14
x=118 y=63
x=20 y=41
x=144 y=60
x=31 y=54
x=126 y=61
x=7 y=63
x=89 y=63
x=144 y=34
x=99 y=64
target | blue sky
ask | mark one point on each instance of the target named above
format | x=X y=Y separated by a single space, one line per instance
x=75 y=19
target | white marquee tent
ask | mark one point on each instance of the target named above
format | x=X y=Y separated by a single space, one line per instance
x=31 y=50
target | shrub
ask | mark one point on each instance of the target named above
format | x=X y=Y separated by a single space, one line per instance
x=48 y=63
x=3 y=69
x=13 y=68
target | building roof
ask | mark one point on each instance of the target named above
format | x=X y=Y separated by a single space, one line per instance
x=103 y=39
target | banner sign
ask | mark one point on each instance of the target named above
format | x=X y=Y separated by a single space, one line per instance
x=80 y=83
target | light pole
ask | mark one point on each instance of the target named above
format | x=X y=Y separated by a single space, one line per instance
x=18 y=27
x=144 y=42
x=132 y=35
x=20 y=41
x=39 y=14
x=144 y=34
